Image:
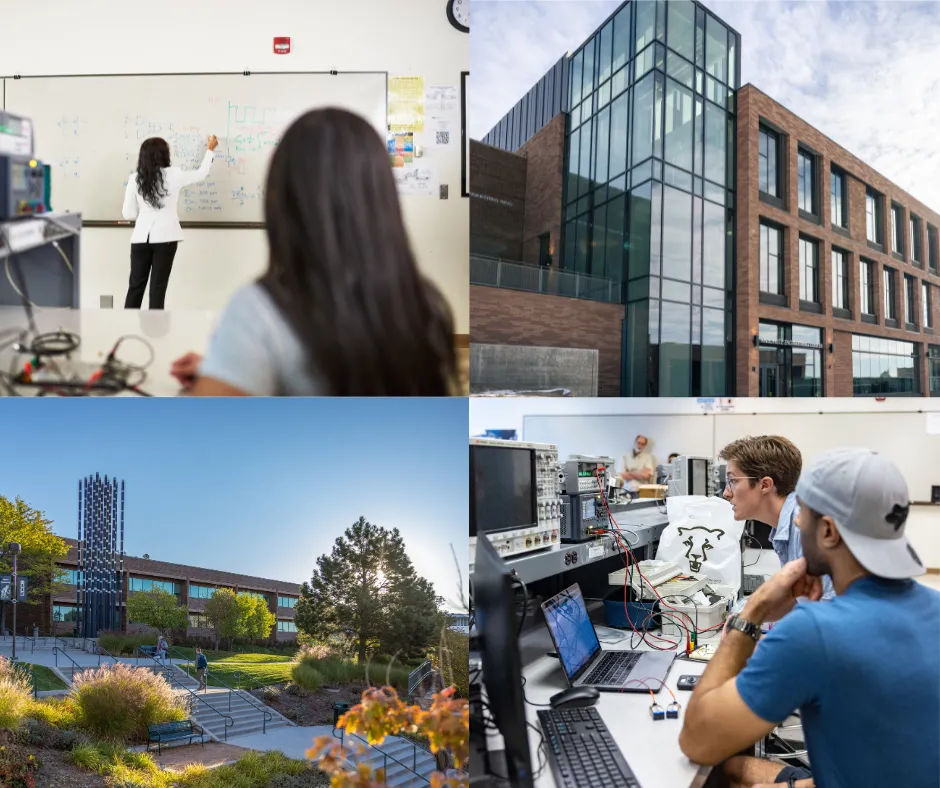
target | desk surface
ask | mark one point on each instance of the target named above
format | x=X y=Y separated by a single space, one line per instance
x=651 y=748
x=171 y=334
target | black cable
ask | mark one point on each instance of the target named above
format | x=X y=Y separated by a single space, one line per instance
x=525 y=603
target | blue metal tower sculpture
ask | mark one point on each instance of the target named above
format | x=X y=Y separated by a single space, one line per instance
x=100 y=555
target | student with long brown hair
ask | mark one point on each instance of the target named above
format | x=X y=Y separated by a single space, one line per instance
x=342 y=309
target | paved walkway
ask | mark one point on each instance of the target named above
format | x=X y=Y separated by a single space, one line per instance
x=293 y=742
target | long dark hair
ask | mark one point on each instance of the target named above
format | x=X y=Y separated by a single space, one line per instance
x=341 y=270
x=154 y=156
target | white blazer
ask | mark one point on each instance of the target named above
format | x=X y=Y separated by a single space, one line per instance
x=161 y=225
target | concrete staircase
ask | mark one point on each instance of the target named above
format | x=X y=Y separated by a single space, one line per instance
x=414 y=766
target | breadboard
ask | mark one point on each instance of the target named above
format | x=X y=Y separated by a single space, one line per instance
x=658 y=575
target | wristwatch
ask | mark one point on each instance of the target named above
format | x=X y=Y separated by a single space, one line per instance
x=749 y=628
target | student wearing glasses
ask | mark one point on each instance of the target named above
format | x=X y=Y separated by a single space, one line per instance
x=761 y=485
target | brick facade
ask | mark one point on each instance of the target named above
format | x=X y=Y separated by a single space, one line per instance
x=754 y=107
x=497 y=202
x=545 y=161
x=40 y=615
x=514 y=317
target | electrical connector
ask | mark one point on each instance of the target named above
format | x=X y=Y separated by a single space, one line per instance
x=656 y=712
x=672 y=711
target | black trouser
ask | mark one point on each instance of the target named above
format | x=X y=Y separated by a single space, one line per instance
x=145 y=256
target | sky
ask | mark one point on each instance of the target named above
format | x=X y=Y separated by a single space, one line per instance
x=255 y=486
x=865 y=73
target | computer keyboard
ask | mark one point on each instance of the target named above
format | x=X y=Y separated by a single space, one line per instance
x=582 y=751
x=613 y=668
x=750 y=583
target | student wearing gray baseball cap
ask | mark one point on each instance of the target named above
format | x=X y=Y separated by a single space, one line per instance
x=863 y=669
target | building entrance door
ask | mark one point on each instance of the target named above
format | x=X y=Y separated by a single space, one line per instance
x=772 y=379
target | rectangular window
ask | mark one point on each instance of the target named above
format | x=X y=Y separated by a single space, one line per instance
x=252 y=594
x=146 y=584
x=199 y=621
x=200 y=592
x=883 y=366
x=909 y=313
x=927 y=306
x=838 y=209
x=806 y=182
x=72 y=577
x=897 y=230
x=286 y=626
x=771 y=260
x=890 y=311
x=286 y=601
x=809 y=271
x=933 y=252
x=933 y=369
x=840 y=280
x=917 y=252
x=866 y=272
x=64 y=613
x=768 y=146
x=873 y=217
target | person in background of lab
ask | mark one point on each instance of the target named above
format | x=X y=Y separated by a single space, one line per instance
x=760 y=484
x=857 y=703
x=151 y=199
x=672 y=457
x=639 y=467
x=342 y=309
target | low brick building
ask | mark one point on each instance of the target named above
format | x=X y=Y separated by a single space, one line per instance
x=192 y=586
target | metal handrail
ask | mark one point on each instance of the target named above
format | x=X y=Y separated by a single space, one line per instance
x=385 y=756
x=246 y=696
x=229 y=722
x=268 y=716
x=103 y=652
x=424 y=669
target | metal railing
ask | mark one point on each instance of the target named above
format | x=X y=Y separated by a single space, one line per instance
x=419 y=674
x=494 y=272
x=169 y=674
x=245 y=695
x=56 y=651
x=101 y=651
x=385 y=756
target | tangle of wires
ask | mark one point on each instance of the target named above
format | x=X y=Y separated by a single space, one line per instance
x=678 y=618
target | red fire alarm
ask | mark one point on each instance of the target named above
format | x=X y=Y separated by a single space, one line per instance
x=282 y=45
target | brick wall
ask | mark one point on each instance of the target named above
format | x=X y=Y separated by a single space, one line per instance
x=753 y=106
x=514 y=317
x=545 y=160
x=497 y=203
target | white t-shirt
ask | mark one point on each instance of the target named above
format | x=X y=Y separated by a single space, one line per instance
x=642 y=461
x=255 y=349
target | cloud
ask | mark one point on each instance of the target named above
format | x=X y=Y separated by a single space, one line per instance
x=866 y=74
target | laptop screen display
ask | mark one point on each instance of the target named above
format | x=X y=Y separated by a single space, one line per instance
x=571 y=630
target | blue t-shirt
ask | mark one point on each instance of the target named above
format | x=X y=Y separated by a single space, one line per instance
x=864 y=670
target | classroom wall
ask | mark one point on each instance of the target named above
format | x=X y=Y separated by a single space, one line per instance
x=109 y=36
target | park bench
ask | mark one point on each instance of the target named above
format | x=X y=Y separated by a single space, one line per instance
x=148 y=650
x=174 y=731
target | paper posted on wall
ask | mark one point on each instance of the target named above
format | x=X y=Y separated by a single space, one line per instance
x=405 y=104
x=441 y=132
x=703 y=537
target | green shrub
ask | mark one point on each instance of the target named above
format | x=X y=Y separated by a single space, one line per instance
x=307 y=676
x=118 y=702
x=312 y=778
x=253 y=770
x=60 y=712
x=39 y=733
x=119 y=644
x=87 y=756
x=316 y=651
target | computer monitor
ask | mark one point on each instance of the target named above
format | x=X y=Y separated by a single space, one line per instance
x=503 y=492
x=497 y=631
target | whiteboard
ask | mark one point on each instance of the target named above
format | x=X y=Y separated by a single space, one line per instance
x=89 y=130
x=901 y=436
x=613 y=436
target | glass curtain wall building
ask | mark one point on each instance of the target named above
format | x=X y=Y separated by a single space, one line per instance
x=649 y=188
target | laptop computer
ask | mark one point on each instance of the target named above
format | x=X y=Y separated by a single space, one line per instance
x=583 y=660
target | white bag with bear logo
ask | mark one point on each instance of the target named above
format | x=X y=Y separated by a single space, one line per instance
x=703 y=538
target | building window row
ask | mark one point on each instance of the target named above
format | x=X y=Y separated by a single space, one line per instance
x=286 y=601
x=73 y=577
x=883 y=366
x=146 y=584
x=286 y=626
x=201 y=592
x=199 y=621
x=933 y=369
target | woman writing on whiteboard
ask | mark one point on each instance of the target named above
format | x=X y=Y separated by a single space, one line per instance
x=151 y=197
x=342 y=309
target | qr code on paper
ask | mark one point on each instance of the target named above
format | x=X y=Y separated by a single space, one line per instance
x=443 y=138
